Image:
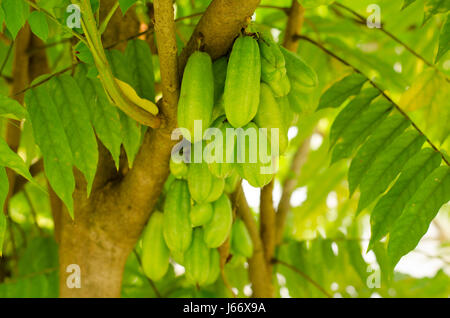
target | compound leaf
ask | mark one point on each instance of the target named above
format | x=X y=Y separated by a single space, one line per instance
x=381 y=138
x=388 y=165
x=391 y=205
x=419 y=212
x=340 y=91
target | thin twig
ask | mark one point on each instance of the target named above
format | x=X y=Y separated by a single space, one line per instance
x=152 y=284
x=44 y=80
x=304 y=275
x=49 y=45
x=401 y=111
x=362 y=20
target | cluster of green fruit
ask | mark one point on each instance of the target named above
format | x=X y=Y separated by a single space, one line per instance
x=197 y=219
x=259 y=85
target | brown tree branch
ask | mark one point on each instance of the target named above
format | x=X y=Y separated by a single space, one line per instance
x=259 y=274
x=167 y=50
x=294 y=26
x=268 y=222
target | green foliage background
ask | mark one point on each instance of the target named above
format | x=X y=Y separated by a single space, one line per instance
x=325 y=241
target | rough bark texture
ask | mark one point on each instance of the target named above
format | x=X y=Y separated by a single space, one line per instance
x=294 y=26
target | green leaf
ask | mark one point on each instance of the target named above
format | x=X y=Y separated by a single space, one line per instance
x=126 y=4
x=388 y=165
x=391 y=205
x=140 y=66
x=119 y=66
x=380 y=251
x=11 y=108
x=38 y=24
x=84 y=54
x=16 y=14
x=10 y=159
x=433 y=7
x=351 y=114
x=131 y=134
x=406 y=3
x=74 y=114
x=444 y=39
x=52 y=140
x=104 y=116
x=355 y=133
x=4 y=188
x=356 y=260
x=420 y=211
x=375 y=144
x=340 y=91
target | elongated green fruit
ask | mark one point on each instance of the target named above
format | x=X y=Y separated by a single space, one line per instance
x=273 y=67
x=177 y=225
x=197 y=259
x=221 y=150
x=155 y=254
x=201 y=214
x=298 y=71
x=203 y=185
x=197 y=94
x=256 y=166
x=241 y=242
x=218 y=229
x=214 y=267
x=241 y=94
x=270 y=116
